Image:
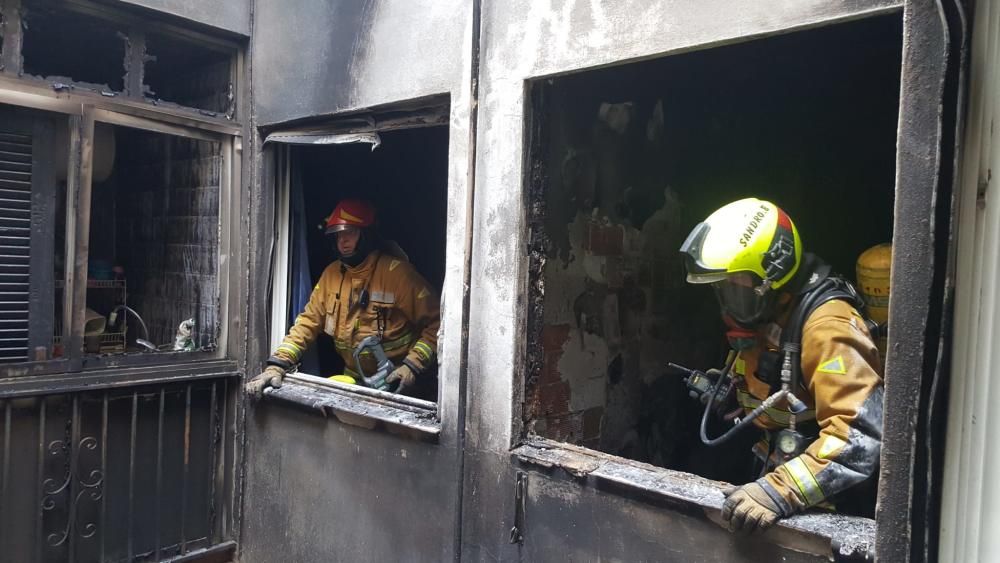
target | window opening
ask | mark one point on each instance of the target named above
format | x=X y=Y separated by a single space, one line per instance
x=153 y=269
x=405 y=178
x=626 y=160
x=64 y=45
x=188 y=74
x=33 y=153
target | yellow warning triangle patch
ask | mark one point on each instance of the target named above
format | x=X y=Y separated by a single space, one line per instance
x=423 y=293
x=835 y=365
x=393 y=264
x=348 y=217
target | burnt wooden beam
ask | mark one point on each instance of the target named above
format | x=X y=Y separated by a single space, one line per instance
x=135 y=63
x=13 y=37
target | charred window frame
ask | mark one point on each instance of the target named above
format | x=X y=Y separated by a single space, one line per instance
x=146 y=45
x=136 y=110
x=83 y=118
x=684 y=489
x=350 y=404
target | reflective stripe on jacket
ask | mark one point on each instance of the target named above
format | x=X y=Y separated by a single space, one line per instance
x=841 y=373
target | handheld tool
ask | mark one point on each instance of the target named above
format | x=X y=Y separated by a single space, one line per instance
x=383 y=363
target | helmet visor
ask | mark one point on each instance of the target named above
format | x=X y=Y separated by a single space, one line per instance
x=338 y=228
x=738 y=297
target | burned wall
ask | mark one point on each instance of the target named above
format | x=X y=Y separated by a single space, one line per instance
x=372 y=52
x=314 y=60
x=633 y=157
x=324 y=491
x=231 y=15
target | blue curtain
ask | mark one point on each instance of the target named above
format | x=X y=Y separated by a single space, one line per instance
x=300 y=278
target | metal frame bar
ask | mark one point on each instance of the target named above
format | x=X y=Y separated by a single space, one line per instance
x=383 y=397
x=78 y=229
x=214 y=438
x=39 y=95
x=5 y=485
x=74 y=462
x=114 y=117
x=159 y=473
x=229 y=174
x=186 y=470
x=103 y=522
x=40 y=514
x=131 y=473
x=280 y=263
x=54 y=384
x=223 y=476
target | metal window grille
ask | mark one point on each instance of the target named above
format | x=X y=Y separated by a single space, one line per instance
x=119 y=475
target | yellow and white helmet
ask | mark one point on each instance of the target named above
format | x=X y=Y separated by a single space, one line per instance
x=744 y=249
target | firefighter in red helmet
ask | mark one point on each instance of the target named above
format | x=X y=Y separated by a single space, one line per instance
x=365 y=292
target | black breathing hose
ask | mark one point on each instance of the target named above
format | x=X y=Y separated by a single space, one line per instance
x=813 y=299
x=711 y=402
x=795 y=326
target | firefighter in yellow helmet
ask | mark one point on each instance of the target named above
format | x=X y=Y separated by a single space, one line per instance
x=366 y=292
x=803 y=367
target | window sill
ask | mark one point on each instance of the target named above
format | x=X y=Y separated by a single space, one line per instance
x=21 y=386
x=836 y=536
x=362 y=407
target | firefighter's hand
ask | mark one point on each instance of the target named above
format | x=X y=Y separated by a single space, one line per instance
x=270 y=377
x=405 y=375
x=749 y=509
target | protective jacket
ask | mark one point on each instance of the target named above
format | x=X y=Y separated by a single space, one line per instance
x=842 y=387
x=382 y=295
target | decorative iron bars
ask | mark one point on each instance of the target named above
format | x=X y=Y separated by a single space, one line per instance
x=118 y=475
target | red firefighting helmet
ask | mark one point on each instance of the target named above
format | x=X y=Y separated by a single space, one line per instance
x=350 y=213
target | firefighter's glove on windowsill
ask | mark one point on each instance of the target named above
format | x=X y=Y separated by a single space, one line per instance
x=749 y=509
x=405 y=375
x=272 y=376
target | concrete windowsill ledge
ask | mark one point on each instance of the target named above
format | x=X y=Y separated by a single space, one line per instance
x=839 y=537
x=359 y=406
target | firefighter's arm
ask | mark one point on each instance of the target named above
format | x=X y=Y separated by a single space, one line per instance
x=840 y=370
x=307 y=324
x=422 y=307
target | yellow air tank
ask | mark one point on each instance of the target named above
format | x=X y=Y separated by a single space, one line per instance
x=873 y=270
x=344 y=379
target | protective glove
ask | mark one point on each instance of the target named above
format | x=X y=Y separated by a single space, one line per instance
x=405 y=375
x=749 y=509
x=270 y=377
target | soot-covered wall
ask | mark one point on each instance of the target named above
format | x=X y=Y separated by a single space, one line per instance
x=628 y=159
